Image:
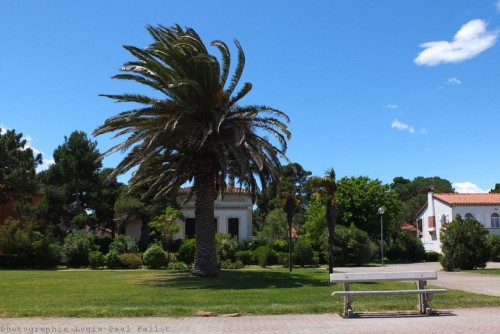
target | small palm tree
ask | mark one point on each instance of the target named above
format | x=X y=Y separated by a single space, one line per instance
x=193 y=130
x=327 y=187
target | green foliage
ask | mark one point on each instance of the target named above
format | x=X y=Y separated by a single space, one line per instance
x=31 y=247
x=178 y=265
x=494 y=246
x=96 y=260
x=130 y=261
x=112 y=260
x=463 y=245
x=358 y=199
x=276 y=226
x=413 y=194
x=71 y=182
x=315 y=225
x=265 y=256
x=186 y=251
x=280 y=245
x=164 y=226
x=76 y=249
x=432 y=256
x=227 y=247
x=403 y=247
x=124 y=244
x=17 y=167
x=352 y=246
x=231 y=265
x=302 y=253
x=155 y=257
x=246 y=257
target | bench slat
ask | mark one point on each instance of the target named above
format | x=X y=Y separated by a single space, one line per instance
x=382 y=276
x=387 y=292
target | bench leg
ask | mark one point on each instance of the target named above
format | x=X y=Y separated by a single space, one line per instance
x=423 y=299
x=348 y=307
x=347 y=303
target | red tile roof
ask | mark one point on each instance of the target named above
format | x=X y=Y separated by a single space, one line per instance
x=229 y=190
x=469 y=199
x=408 y=228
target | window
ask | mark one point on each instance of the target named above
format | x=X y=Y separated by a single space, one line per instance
x=495 y=220
x=233 y=227
x=190 y=231
x=469 y=216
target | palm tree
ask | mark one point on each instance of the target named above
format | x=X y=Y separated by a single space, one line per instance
x=193 y=130
x=327 y=187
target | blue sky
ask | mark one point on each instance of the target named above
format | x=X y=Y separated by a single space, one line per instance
x=378 y=88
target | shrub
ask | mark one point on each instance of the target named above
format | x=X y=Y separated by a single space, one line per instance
x=226 y=247
x=130 y=260
x=96 y=259
x=280 y=246
x=103 y=244
x=186 y=251
x=302 y=253
x=30 y=246
x=155 y=257
x=231 y=265
x=463 y=245
x=403 y=247
x=177 y=266
x=124 y=244
x=112 y=260
x=246 y=257
x=432 y=256
x=76 y=249
x=265 y=256
x=494 y=246
x=351 y=246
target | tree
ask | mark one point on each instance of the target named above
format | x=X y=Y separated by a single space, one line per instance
x=464 y=245
x=326 y=188
x=164 y=226
x=293 y=178
x=358 y=199
x=193 y=128
x=17 y=167
x=413 y=194
x=70 y=182
x=496 y=189
x=103 y=199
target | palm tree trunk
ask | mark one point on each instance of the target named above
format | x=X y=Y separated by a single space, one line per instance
x=205 y=258
x=331 y=220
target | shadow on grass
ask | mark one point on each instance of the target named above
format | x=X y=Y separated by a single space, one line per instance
x=241 y=279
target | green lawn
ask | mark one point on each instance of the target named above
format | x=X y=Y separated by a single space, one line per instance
x=86 y=293
x=495 y=271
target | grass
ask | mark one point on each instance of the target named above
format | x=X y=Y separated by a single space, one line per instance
x=495 y=271
x=86 y=293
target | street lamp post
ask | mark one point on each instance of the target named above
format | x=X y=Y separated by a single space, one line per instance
x=381 y=213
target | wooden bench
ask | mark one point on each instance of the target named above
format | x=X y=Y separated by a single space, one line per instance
x=420 y=277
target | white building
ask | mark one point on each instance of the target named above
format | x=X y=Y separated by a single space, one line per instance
x=442 y=208
x=233 y=215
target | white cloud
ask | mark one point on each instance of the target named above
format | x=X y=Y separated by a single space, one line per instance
x=454 y=81
x=392 y=106
x=467 y=188
x=468 y=42
x=402 y=126
x=405 y=127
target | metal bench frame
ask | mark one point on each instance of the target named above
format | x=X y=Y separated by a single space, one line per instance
x=420 y=277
